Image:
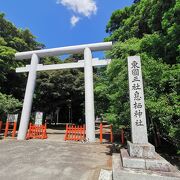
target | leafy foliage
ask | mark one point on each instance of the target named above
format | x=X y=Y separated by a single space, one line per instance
x=12 y=40
x=54 y=89
x=149 y=29
x=8 y=104
x=149 y=17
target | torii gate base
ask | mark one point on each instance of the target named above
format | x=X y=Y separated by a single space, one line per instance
x=88 y=77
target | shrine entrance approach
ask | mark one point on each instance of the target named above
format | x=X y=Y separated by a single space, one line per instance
x=87 y=64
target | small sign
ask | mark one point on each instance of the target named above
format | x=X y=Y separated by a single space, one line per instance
x=38 y=118
x=12 y=117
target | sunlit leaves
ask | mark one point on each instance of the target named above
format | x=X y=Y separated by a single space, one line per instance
x=8 y=104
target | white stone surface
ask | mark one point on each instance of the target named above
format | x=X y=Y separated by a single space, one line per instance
x=89 y=96
x=79 y=64
x=141 y=150
x=27 y=105
x=134 y=163
x=105 y=175
x=131 y=162
x=120 y=173
x=64 y=50
x=138 y=116
x=157 y=163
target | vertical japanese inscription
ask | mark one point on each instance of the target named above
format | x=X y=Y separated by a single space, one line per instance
x=138 y=117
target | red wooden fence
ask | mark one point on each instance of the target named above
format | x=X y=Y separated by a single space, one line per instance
x=9 y=128
x=122 y=136
x=75 y=133
x=36 y=132
x=105 y=129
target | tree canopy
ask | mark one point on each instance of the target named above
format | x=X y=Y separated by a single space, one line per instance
x=54 y=89
x=149 y=29
x=12 y=85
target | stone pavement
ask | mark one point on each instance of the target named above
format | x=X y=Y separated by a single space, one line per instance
x=52 y=159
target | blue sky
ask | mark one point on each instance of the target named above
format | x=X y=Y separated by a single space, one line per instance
x=58 y=23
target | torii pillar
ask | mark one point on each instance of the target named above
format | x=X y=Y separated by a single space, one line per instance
x=28 y=98
x=89 y=96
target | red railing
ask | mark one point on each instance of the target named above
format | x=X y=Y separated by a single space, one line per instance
x=10 y=127
x=37 y=132
x=75 y=133
x=105 y=129
x=1 y=124
x=122 y=136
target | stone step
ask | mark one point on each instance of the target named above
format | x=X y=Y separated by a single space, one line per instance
x=122 y=173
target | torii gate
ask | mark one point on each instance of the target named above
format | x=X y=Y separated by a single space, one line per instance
x=87 y=63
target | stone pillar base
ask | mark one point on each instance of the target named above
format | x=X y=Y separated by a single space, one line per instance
x=141 y=150
x=123 y=173
x=155 y=164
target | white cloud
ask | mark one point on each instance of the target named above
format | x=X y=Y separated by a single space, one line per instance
x=82 y=7
x=74 y=20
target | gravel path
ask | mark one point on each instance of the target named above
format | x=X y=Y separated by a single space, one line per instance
x=48 y=159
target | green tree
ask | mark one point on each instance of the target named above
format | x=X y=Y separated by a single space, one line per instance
x=8 y=104
x=54 y=88
x=149 y=29
x=61 y=88
x=12 y=85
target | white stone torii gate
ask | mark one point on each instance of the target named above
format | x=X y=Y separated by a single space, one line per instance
x=87 y=63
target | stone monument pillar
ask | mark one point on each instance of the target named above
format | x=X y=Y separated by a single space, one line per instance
x=139 y=147
x=140 y=153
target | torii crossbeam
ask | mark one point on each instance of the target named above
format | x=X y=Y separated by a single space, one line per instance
x=87 y=64
x=79 y=64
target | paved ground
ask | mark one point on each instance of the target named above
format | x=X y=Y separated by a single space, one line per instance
x=52 y=159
